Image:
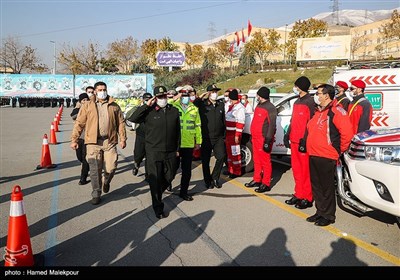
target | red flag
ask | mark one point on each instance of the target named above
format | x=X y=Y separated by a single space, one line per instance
x=237 y=38
x=249 y=27
x=243 y=39
x=231 y=47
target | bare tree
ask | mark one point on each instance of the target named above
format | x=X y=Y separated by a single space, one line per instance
x=125 y=51
x=357 y=42
x=80 y=60
x=17 y=57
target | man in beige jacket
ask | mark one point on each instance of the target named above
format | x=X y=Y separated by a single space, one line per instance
x=103 y=122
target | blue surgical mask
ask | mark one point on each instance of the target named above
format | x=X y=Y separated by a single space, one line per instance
x=296 y=91
x=185 y=100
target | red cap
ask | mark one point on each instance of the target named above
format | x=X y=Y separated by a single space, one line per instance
x=358 y=83
x=342 y=84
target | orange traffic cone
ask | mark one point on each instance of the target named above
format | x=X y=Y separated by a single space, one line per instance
x=53 y=139
x=55 y=124
x=45 y=162
x=19 y=248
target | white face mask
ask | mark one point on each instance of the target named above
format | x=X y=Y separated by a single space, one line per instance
x=296 y=91
x=90 y=94
x=102 y=94
x=213 y=96
x=316 y=99
x=162 y=102
x=192 y=98
x=226 y=98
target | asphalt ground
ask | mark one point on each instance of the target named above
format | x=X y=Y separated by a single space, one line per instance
x=232 y=226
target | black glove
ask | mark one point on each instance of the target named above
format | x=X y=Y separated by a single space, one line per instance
x=286 y=140
x=267 y=147
x=302 y=146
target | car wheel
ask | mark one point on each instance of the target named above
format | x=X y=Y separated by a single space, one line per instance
x=246 y=151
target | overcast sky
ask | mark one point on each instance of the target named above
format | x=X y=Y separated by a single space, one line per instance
x=36 y=23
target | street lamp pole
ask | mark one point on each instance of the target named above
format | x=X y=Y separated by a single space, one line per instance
x=54 y=57
x=284 y=48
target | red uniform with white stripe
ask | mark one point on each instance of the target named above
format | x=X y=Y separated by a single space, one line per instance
x=360 y=112
x=235 y=118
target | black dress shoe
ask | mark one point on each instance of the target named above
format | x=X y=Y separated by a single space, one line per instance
x=216 y=184
x=252 y=183
x=233 y=176
x=322 y=222
x=169 y=188
x=209 y=185
x=303 y=204
x=161 y=215
x=106 y=188
x=226 y=172
x=95 y=200
x=135 y=169
x=186 y=197
x=83 y=182
x=293 y=200
x=313 y=218
x=263 y=188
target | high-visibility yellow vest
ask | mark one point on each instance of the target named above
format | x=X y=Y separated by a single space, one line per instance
x=190 y=125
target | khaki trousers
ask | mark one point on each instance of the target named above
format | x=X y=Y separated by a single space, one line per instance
x=101 y=156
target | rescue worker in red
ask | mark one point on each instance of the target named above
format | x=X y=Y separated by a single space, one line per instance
x=303 y=110
x=234 y=120
x=360 y=109
x=340 y=97
x=329 y=135
x=263 y=128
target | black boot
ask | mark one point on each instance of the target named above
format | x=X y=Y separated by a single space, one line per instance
x=135 y=169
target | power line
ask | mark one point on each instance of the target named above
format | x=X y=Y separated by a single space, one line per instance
x=125 y=20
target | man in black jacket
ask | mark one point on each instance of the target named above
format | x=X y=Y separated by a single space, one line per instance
x=162 y=136
x=212 y=114
x=139 y=151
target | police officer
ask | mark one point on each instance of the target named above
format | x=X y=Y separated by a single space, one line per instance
x=162 y=137
x=139 y=148
x=212 y=114
x=190 y=136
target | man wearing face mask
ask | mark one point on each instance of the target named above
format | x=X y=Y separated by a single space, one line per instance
x=104 y=126
x=360 y=109
x=234 y=119
x=340 y=97
x=212 y=114
x=162 y=138
x=247 y=106
x=329 y=135
x=190 y=137
x=226 y=99
x=303 y=110
x=90 y=92
x=263 y=128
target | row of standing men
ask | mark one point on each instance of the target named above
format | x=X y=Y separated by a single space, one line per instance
x=217 y=126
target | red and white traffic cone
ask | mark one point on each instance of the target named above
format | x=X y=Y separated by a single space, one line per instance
x=19 y=248
x=45 y=161
x=55 y=124
x=53 y=138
